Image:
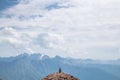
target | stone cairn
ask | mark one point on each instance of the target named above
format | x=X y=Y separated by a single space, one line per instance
x=60 y=76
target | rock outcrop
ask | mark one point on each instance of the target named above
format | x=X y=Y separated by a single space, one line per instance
x=60 y=76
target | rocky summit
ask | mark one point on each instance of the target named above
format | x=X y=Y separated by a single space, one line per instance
x=60 y=76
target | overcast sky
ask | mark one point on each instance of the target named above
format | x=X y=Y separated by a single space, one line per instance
x=68 y=28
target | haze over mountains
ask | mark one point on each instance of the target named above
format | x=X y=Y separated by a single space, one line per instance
x=88 y=31
x=37 y=66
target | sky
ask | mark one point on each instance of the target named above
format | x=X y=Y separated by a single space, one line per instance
x=86 y=29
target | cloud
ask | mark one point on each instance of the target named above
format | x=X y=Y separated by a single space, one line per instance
x=69 y=28
x=48 y=40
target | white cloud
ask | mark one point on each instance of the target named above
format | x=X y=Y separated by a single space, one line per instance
x=74 y=28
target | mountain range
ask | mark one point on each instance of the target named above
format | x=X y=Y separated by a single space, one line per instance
x=37 y=66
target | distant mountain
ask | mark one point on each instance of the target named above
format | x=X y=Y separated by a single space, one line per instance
x=37 y=66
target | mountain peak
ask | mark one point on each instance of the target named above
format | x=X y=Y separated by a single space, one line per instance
x=60 y=76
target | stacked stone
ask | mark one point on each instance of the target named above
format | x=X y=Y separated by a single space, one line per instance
x=60 y=76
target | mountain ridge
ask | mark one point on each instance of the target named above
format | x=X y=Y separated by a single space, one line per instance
x=37 y=66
